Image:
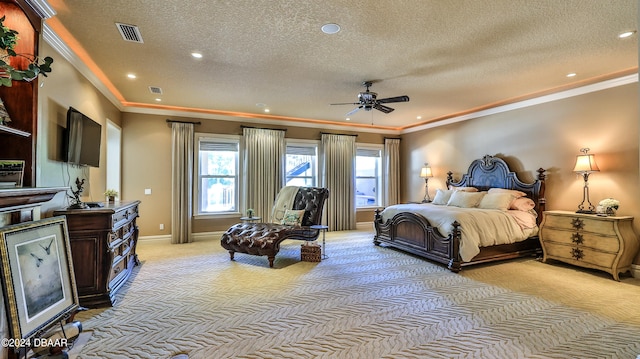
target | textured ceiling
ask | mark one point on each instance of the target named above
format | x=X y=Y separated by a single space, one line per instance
x=449 y=57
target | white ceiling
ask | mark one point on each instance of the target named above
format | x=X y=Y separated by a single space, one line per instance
x=449 y=56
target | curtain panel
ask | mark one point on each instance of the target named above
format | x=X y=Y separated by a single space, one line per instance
x=391 y=171
x=263 y=167
x=182 y=139
x=339 y=158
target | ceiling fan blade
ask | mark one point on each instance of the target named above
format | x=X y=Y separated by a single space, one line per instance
x=394 y=99
x=345 y=103
x=383 y=108
x=353 y=111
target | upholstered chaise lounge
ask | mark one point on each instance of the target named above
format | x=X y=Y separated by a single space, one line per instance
x=263 y=239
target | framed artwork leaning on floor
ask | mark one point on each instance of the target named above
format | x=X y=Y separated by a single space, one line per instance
x=37 y=275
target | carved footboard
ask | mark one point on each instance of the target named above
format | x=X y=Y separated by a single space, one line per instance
x=414 y=234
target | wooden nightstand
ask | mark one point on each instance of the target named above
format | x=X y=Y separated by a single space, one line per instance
x=590 y=241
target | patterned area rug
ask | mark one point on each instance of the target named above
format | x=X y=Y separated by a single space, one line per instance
x=362 y=302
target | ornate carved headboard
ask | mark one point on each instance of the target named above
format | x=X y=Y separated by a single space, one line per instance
x=493 y=172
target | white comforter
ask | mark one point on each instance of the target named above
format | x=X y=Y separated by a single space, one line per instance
x=479 y=227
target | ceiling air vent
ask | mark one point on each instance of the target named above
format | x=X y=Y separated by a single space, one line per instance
x=155 y=90
x=129 y=32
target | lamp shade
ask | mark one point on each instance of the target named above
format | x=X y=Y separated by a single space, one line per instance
x=426 y=171
x=586 y=163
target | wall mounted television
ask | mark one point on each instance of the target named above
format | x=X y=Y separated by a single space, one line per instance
x=83 y=135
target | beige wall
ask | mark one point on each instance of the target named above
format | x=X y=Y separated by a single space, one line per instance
x=549 y=136
x=65 y=87
x=147 y=164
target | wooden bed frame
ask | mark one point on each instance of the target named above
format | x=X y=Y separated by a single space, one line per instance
x=412 y=232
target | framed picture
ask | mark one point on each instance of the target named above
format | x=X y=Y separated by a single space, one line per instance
x=11 y=173
x=37 y=275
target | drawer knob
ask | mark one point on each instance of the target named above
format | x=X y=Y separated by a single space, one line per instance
x=577 y=223
x=577 y=238
x=577 y=253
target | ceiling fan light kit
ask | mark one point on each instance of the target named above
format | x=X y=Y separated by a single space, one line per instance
x=368 y=100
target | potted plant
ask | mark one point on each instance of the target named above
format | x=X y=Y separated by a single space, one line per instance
x=8 y=41
x=250 y=212
x=111 y=195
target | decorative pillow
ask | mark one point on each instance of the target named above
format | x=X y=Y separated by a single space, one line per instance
x=523 y=204
x=499 y=201
x=463 y=189
x=516 y=194
x=293 y=217
x=465 y=199
x=442 y=196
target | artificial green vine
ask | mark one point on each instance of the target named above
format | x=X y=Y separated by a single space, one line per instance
x=8 y=41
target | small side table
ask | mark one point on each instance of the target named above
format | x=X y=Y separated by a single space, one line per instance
x=250 y=219
x=323 y=229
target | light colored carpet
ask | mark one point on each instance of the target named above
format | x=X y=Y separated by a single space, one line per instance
x=362 y=302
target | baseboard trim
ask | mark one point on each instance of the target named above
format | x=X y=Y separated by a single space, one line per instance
x=635 y=270
x=164 y=237
x=197 y=237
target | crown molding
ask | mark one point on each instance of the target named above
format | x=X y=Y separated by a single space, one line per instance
x=42 y=8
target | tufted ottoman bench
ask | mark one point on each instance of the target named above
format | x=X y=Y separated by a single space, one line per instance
x=263 y=239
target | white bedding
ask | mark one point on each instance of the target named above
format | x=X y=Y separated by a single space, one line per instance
x=479 y=227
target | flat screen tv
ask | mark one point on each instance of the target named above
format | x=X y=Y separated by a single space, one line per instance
x=82 y=140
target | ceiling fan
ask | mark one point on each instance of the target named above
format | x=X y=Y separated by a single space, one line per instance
x=368 y=100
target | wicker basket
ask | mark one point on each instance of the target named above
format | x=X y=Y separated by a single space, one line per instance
x=310 y=252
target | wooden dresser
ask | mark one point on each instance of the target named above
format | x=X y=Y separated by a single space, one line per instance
x=590 y=241
x=103 y=246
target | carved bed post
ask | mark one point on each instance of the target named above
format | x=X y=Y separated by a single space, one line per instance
x=449 y=178
x=456 y=236
x=377 y=220
x=541 y=199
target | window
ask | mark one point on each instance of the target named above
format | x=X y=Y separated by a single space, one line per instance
x=218 y=175
x=301 y=166
x=368 y=175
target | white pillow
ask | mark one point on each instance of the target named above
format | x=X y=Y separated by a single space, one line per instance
x=515 y=193
x=463 y=189
x=465 y=199
x=442 y=196
x=498 y=200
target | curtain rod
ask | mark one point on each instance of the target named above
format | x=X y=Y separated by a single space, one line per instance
x=392 y=138
x=195 y=123
x=339 y=134
x=264 y=128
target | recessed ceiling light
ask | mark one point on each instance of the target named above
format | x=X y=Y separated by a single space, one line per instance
x=573 y=74
x=419 y=117
x=348 y=119
x=158 y=100
x=330 y=28
x=131 y=76
x=267 y=110
x=626 y=34
x=196 y=55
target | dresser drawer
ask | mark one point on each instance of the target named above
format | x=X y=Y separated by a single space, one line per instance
x=584 y=239
x=121 y=217
x=603 y=227
x=119 y=267
x=590 y=256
